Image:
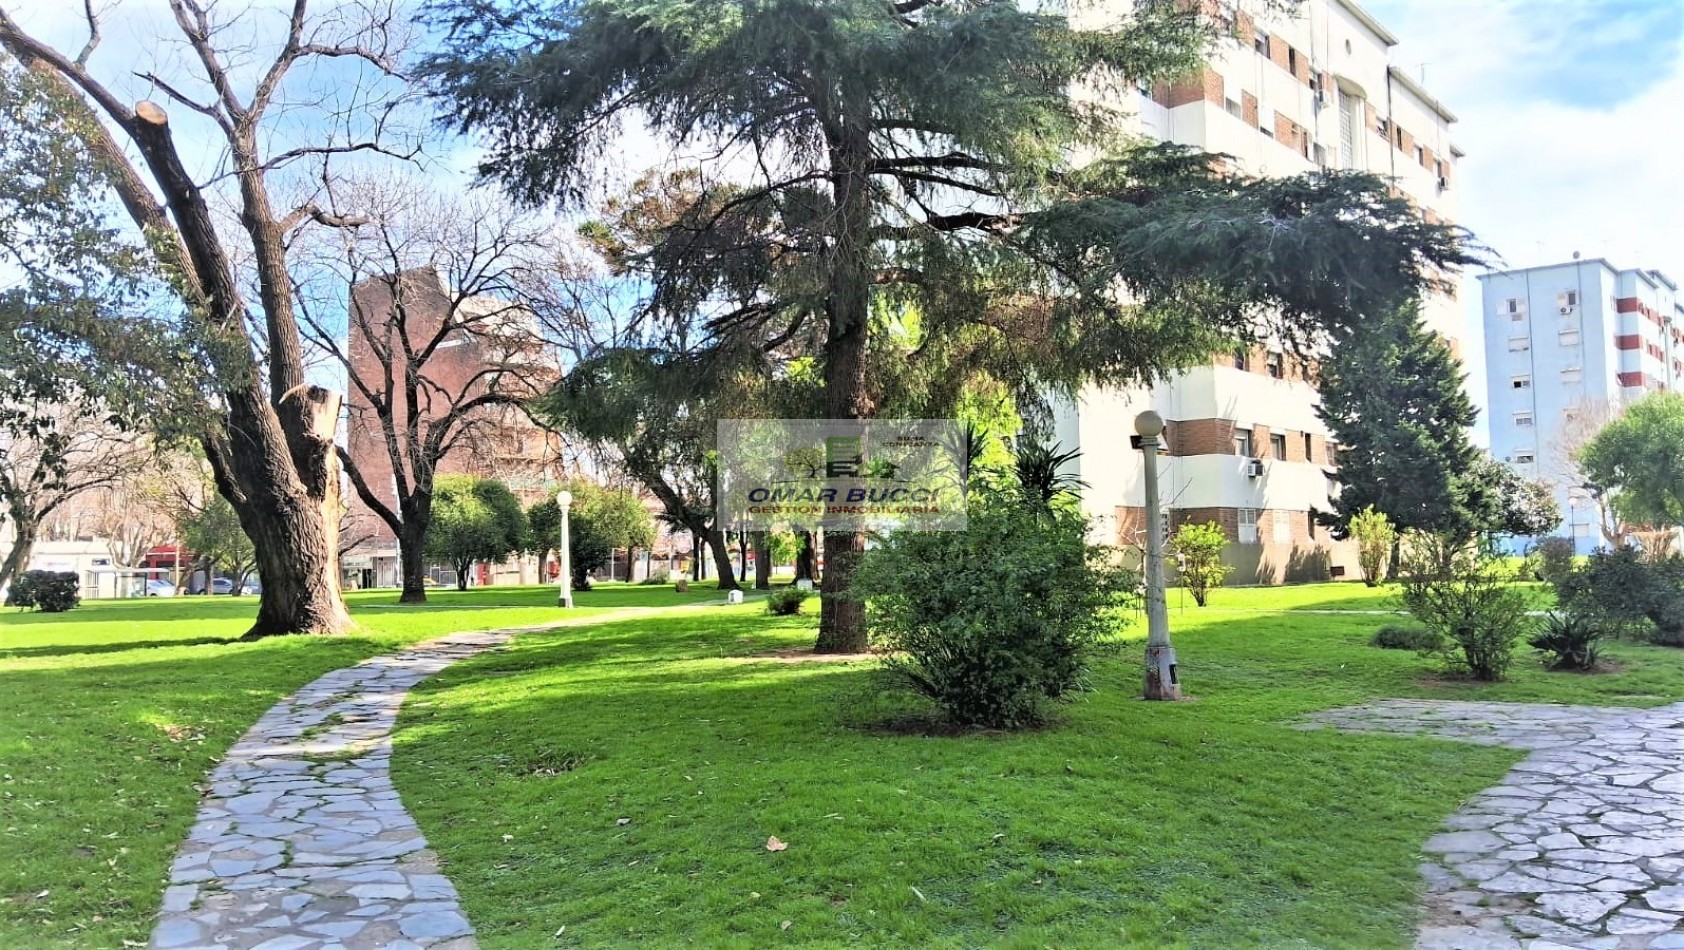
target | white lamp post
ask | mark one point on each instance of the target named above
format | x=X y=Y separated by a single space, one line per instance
x=564 y=501
x=1161 y=681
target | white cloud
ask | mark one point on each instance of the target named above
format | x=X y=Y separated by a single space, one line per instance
x=1544 y=177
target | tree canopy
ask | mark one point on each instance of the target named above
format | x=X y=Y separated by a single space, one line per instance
x=475 y=520
x=1638 y=459
x=870 y=196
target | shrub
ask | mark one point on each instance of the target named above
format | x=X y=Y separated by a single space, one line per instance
x=1622 y=593
x=1568 y=641
x=51 y=592
x=1399 y=637
x=1375 y=536
x=1199 y=548
x=1467 y=597
x=993 y=622
x=1554 y=558
x=786 y=601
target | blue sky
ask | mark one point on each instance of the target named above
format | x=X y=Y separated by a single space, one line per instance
x=1572 y=117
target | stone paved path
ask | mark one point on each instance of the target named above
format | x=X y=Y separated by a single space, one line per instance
x=302 y=843
x=1581 y=846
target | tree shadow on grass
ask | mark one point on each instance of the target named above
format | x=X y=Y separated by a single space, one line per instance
x=72 y=649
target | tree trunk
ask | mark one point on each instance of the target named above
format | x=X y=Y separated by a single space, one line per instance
x=18 y=557
x=695 y=555
x=722 y=559
x=762 y=560
x=412 y=563
x=293 y=523
x=841 y=618
x=805 y=568
x=462 y=569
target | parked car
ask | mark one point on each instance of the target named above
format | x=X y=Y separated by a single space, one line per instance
x=225 y=585
x=159 y=588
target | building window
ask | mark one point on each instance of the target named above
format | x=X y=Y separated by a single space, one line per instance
x=1309 y=448
x=1572 y=374
x=1248 y=525
x=1292 y=60
x=1519 y=344
x=1525 y=458
x=1420 y=156
x=1569 y=298
x=1350 y=119
x=1234 y=108
x=1569 y=338
x=1277 y=365
x=1242 y=442
x=1332 y=450
x=1281 y=525
x=1242 y=359
x=1260 y=42
x=1277 y=445
x=1521 y=382
x=1321 y=156
x=1523 y=418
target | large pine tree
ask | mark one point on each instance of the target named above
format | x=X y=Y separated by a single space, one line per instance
x=952 y=159
x=1393 y=399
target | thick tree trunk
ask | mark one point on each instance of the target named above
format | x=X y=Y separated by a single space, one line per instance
x=722 y=559
x=462 y=569
x=842 y=618
x=294 y=529
x=17 y=558
x=412 y=563
x=762 y=560
x=695 y=556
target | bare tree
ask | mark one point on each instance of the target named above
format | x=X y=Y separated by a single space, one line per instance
x=269 y=433
x=76 y=453
x=441 y=350
x=1559 y=464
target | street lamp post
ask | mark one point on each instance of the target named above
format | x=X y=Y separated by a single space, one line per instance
x=564 y=501
x=1161 y=681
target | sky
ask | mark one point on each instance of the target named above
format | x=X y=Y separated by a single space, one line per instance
x=1571 y=114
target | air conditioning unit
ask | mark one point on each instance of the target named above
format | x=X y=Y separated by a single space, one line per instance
x=1254 y=468
x=1443 y=184
x=1567 y=311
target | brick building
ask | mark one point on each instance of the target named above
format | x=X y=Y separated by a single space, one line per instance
x=463 y=347
x=1282 y=94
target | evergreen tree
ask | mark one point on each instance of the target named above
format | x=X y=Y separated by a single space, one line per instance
x=475 y=520
x=910 y=164
x=1393 y=400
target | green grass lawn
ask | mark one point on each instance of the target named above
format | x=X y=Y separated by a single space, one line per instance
x=111 y=714
x=616 y=784
x=1208 y=821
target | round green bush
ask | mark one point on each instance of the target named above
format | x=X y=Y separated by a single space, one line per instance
x=1399 y=637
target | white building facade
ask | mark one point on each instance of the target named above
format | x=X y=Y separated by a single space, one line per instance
x=1567 y=347
x=1283 y=95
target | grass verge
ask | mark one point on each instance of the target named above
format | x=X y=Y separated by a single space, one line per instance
x=111 y=714
x=687 y=743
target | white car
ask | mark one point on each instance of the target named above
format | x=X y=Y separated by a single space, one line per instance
x=157 y=588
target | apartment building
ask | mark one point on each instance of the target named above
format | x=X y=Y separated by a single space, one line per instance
x=1285 y=93
x=486 y=345
x=1567 y=346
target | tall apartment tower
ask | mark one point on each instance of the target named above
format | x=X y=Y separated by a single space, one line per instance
x=1283 y=95
x=1567 y=346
